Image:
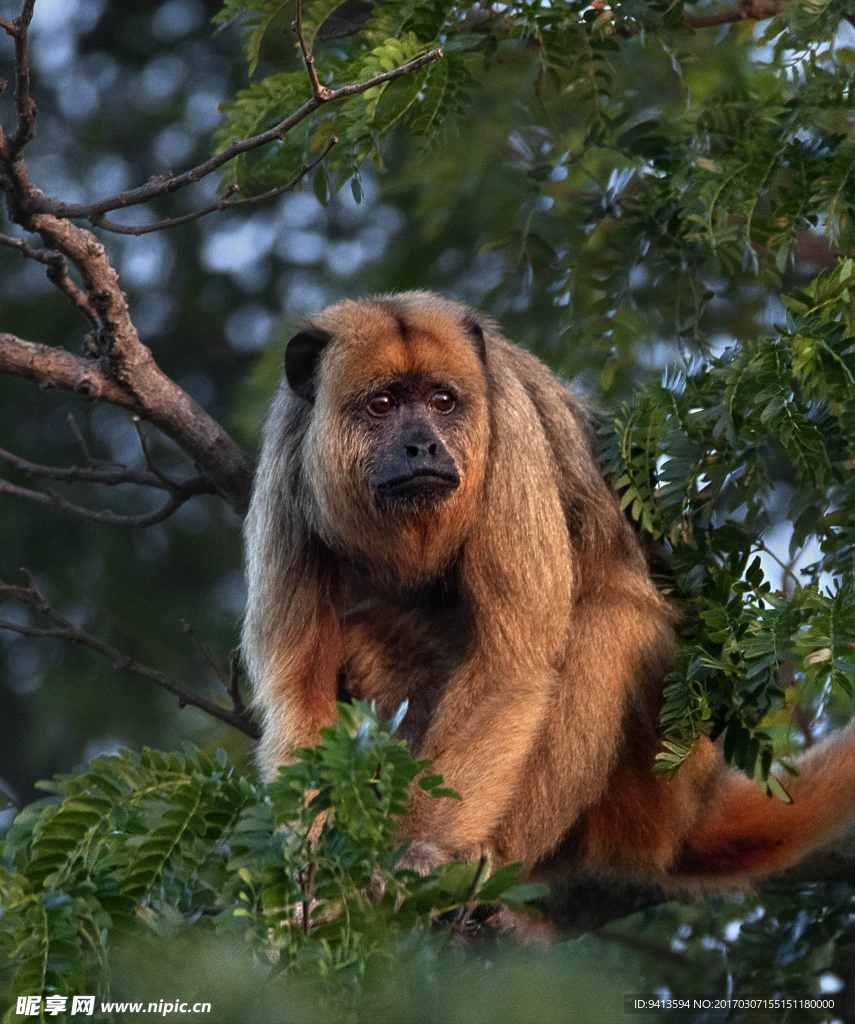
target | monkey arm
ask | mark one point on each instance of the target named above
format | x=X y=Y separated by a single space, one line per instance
x=480 y=740
x=297 y=692
x=538 y=749
x=292 y=641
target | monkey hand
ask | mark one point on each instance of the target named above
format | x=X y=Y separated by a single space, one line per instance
x=423 y=857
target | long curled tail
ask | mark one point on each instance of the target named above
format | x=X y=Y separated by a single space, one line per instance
x=747 y=835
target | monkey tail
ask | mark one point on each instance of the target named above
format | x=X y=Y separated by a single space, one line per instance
x=748 y=835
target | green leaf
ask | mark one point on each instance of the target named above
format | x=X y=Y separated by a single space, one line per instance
x=499 y=882
x=320 y=185
x=526 y=893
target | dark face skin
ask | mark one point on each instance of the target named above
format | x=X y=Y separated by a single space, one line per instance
x=411 y=422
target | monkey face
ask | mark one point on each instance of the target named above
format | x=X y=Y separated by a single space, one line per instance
x=397 y=432
x=411 y=467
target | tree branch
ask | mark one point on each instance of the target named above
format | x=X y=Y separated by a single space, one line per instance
x=24 y=103
x=167 y=184
x=585 y=902
x=126 y=373
x=225 y=466
x=105 y=516
x=56 y=368
x=111 y=474
x=226 y=203
x=63 y=629
x=57 y=273
x=320 y=92
x=231 y=679
x=128 y=362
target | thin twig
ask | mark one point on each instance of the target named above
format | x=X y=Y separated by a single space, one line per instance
x=167 y=184
x=230 y=679
x=24 y=103
x=57 y=273
x=235 y=673
x=47 y=256
x=787 y=569
x=105 y=516
x=81 y=440
x=63 y=629
x=111 y=474
x=108 y=473
x=307 y=882
x=226 y=203
x=464 y=912
x=320 y=92
x=170 y=485
x=206 y=655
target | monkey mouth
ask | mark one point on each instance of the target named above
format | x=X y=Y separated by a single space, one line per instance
x=421 y=486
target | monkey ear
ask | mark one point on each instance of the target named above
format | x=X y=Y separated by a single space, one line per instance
x=476 y=333
x=301 y=361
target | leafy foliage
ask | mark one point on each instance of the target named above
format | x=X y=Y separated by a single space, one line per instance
x=694 y=459
x=303 y=872
x=722 y=183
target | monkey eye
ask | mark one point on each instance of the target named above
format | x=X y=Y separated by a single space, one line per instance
x=442 y=401
x=381 y=405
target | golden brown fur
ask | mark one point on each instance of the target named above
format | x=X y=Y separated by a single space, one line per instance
x=518 y=618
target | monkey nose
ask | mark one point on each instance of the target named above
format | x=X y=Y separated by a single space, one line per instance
x=414 y=450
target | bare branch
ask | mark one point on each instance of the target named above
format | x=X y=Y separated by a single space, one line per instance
x=230 y=679
x=175 y=500
x=55 y=368
x=24 y=103
x=125 y=373
x=111 y=474
x=167 y=184
x=128 y=363
x=206 y=655
x=235 y=673
x=320 y=92
x=57 y=273
x=226 y=203
x=63 y=629
x=170 y=485
x=84 y=447
x=46 y=256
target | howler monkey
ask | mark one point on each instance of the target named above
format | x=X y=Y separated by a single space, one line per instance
x=429 y=523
